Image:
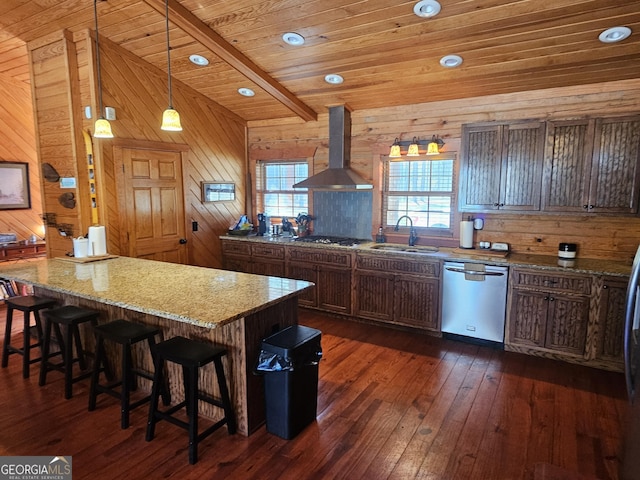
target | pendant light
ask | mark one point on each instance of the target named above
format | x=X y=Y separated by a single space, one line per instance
x=395 y=150
x=434 y=146
x=102 y=127
x=170 y=117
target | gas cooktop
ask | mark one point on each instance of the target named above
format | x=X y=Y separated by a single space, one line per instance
x=330 y=240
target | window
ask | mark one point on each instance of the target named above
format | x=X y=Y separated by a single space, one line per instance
x=423 y=189
x=275 y=194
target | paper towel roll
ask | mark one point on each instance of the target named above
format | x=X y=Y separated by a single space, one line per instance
x=466 y=234
x=97 y=241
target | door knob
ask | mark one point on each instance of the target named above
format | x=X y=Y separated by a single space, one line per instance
x=183 y=241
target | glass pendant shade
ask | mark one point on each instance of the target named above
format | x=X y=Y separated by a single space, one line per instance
x=395 y=150
x=171 y=121
x=414 y=149
x=432 y=149
x=102 y=129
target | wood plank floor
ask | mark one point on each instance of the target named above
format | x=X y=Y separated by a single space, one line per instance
x=391 y=405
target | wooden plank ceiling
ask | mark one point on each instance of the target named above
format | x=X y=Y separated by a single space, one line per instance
x=387 y=55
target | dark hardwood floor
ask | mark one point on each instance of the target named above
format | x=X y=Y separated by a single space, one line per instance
x=391 y=405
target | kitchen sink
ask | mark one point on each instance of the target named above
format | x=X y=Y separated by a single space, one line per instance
x=393 y=247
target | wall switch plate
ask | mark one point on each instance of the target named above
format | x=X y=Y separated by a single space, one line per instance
x=109 y=113
x=194 y=226
x=87 y=112
x=502 y=247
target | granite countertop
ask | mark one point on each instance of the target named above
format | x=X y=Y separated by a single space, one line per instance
x=200 y=296
x=590 y=266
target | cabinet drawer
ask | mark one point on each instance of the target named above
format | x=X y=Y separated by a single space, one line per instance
x=553 y=282
x=387 y=264
x=21 y=252
x=326 y=256
x=275 y=252
x=239 y=248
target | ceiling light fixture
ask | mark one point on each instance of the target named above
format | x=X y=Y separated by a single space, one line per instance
x=614 y=34
x=293 y=38
x=426 y=8
x=199 y=60
x=170 y=117
x=334 y=79
x=102 y=127
x=451 y=61
x=246 y=92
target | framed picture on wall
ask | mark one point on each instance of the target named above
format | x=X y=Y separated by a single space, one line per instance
x=218 y=191
x=14 y=186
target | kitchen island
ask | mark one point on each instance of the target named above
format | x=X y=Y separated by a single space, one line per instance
x=235 y=310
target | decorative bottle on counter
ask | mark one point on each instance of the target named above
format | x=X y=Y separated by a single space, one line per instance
x=380 y=238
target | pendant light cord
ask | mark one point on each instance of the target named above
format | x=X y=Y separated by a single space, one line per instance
x=166 y=16
x=95 y=15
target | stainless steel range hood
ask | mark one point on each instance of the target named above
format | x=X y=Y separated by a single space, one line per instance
x=338 y=175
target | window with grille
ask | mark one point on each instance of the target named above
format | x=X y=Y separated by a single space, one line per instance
x=423 y=189
x=275 y=194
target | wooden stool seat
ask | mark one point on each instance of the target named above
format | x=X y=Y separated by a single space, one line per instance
x=191 y=355
x=69 y=317
x=26 y=304
x=126 y=334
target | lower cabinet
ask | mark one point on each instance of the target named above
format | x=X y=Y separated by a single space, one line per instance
x=399 y=291
x=331 y=273
x=609 y=345
x=549 y=312
x=261 y=259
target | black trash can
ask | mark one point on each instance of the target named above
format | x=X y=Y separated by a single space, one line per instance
x=289 y=363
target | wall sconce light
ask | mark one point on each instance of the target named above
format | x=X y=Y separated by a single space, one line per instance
x=434 y=146
x=415 y=146
x=170 y=117
x=102 y=127
x=395 y=149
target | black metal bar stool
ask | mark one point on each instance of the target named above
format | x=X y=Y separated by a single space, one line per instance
x=27 y=305
x=70 y=317
x=191 y=355
x=126 y=334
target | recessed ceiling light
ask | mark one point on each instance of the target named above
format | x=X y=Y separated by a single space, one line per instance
x=334 y=79
x=426 y=8
x=614 y=34
x=451 y=61
x=246 y=92
x=293 y=38
x=199 y=60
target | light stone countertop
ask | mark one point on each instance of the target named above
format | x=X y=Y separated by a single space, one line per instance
x=589 y=266
x=205 y=297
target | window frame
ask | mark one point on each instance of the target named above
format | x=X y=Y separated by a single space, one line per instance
x=453 y=194
x=261 y=182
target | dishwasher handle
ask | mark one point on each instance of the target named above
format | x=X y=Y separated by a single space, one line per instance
x=474 y=272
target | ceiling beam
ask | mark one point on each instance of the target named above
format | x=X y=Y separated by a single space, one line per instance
x=201 y=32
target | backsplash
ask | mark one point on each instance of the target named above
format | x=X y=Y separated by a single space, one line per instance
x=343 y=214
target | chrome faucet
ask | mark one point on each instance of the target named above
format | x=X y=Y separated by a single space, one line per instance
x=412 y=231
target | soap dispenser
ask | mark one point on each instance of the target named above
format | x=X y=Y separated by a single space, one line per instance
x=380 y=238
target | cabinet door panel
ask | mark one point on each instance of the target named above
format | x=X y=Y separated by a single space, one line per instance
x=567 y=324
x=416 y=301
x=334 y=290
x=274 y=269
x=568 y=165
x=374 y=295
x=309 y=274
x=615 y=174
x=611 y=320
x=481 y=163
x=528 y=318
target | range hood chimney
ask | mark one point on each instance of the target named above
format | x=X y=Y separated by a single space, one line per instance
x=338 y=175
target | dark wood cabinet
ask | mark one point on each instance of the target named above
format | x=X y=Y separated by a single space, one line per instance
x=257 y=258
x=20 y=252
x=611 y=320
x=549 y=311
x=398 y=290
x=502 y=166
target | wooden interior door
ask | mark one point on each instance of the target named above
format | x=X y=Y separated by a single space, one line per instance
x=154 y=204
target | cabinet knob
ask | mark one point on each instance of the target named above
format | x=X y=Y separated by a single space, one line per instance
x=546 y=298
x=551 y=299
x=496 y=204
x=585 y=206
x=605 y=286
x=591 y=207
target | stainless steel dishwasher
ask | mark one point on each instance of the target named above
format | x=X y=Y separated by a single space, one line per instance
x=474 y=300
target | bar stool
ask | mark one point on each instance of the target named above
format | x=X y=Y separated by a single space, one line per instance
x=70 y=317
x=191 y=355
x=27 y=305
x=126 y=334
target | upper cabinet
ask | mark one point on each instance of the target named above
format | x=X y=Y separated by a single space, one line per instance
x=587 y=165
x=502 y=166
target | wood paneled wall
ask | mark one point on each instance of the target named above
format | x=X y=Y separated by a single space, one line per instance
x=373 y=131
x=18 y=144
x=216 y=138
